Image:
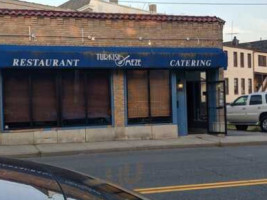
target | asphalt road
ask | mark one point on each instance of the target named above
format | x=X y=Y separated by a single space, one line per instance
x=178 y=167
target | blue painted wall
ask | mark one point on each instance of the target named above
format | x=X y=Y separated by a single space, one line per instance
x=174 y=98
x=1 y=103
x=181 y=105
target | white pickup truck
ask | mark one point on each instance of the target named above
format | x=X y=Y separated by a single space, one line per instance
x=248 y=110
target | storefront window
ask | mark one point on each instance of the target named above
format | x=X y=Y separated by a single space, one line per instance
x=149 y=96
x=50 y=98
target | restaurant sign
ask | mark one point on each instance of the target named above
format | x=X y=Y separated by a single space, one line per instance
x=110 y=57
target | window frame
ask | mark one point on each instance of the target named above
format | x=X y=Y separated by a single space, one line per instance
x=243 y=86
x=235 y=59
x=236 y=86
x=250 y=90
x=242 y=59
x=262 y=61
x=149 y=119
x=249 y=58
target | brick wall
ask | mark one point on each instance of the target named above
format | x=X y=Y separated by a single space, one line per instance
x=69 y=31
x=118 y=91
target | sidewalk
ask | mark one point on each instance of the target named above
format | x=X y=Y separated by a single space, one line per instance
x=113 y=146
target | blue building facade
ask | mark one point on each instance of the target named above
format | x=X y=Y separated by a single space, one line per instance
x=64 y=86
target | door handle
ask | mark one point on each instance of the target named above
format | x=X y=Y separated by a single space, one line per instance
x=259 y=107
x=243 y=108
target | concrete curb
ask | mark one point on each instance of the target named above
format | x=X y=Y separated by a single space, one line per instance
x=27 y=151
x=243 y=144
x=122 y=150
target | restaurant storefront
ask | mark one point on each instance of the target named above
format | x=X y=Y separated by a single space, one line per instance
x=89 y=77
x=49 y=87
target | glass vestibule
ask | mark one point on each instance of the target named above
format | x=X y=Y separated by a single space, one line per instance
x=149 y=96
x=197 y=115
x=50 y=98
x=206 y=108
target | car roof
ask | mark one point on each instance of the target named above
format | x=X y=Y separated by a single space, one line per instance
x=66 y=182
x=258 y=93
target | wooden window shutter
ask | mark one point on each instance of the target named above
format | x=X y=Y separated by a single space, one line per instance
x=16 y=97
x=44 y=101
x=73 y=101
x=138 y=105
x=98 y=94
x=160 y=93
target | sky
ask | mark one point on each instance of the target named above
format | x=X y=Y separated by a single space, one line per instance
x=249 y=23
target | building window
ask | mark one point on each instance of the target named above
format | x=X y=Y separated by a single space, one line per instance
x=235 y=59
x=226 y=86
x=236 y=86
x=262 y=61
x=149 y=96
x=249 y=61
x=249 y=85
x=242 y=60
x=51 y=98
x=243 y=89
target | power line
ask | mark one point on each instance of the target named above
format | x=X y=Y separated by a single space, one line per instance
x=195 y=3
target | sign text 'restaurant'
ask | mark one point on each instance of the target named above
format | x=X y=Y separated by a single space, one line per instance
x=45 y=62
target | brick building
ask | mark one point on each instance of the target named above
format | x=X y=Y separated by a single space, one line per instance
x=82 y=77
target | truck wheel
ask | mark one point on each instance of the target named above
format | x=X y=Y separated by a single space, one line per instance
x=264 y=124
x=241 y=127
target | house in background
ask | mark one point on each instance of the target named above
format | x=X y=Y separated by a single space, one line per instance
x=247 y=68
x=260 y=64
x=109 y=6
x=15 y=4
x=105 y=6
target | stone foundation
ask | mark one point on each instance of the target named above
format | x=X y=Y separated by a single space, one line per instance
x=82 y=135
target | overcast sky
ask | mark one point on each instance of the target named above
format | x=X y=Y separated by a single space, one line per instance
x=250 y=22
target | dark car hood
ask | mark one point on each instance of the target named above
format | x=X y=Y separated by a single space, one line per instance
x=53 y=180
